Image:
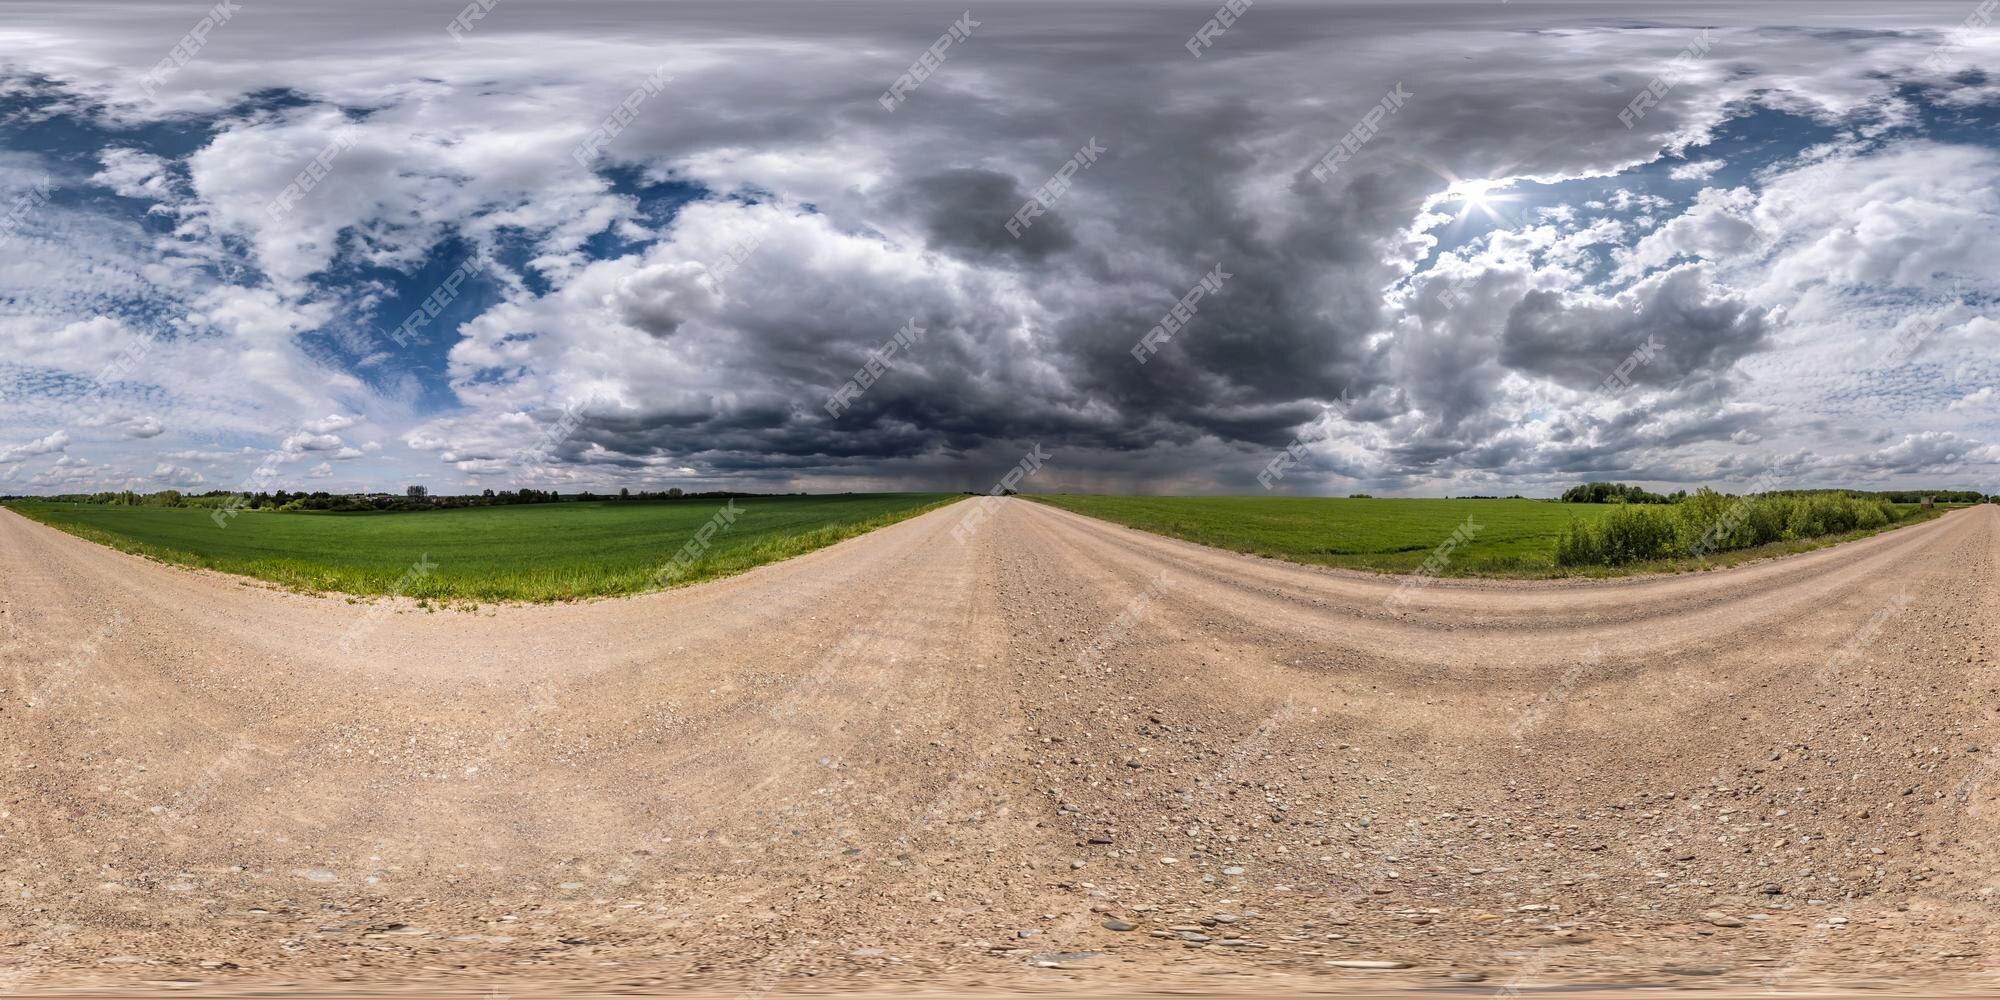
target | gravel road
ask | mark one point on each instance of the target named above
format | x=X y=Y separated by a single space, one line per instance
x=1056 y=754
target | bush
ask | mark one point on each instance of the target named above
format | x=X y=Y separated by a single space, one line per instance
x=1577 y=546
x=1766 y=522
x=1709 y=522
x=1629 y=533
x=1869 y=515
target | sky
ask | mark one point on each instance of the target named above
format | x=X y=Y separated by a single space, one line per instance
x=1310 y=248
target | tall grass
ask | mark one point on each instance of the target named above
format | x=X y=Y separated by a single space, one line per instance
x=1710 y=522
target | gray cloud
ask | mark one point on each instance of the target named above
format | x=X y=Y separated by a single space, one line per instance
x=968 y=209
x=1676 y=323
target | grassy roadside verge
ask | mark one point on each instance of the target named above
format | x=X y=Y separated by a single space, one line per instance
x=532 y=553
x=1737 y=557
x=1516 y=538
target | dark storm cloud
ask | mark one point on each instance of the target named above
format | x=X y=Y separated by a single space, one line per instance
x=968 y=210
x=1672 y=326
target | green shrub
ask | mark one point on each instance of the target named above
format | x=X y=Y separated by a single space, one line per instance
x=1629 y=533
x=1635 y=534
x=1766 y=522
x=1869 y=515
x=1709 y=522
x=1805 y=519
x=1577 y=546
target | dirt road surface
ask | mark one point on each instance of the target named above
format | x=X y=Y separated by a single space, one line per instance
x=1059 y=755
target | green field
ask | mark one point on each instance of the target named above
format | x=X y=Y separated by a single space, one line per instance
x=534 y=552
x=1515 y=537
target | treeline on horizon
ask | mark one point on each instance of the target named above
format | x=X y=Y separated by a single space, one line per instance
x=413 y=498
x=418 y=498
x=1622 y=493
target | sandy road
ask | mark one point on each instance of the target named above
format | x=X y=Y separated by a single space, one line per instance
x=904 y=759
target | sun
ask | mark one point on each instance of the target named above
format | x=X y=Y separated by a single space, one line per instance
x=1472 y=193
x=1480 y=195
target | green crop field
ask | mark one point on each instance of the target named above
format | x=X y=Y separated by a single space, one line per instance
x=535 y=552
x=1514 y=537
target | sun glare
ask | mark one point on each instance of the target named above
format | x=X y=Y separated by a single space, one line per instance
x=1484 y=196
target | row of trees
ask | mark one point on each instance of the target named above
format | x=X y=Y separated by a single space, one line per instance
x=1919 y=496
x=126 y=498
x=419 y=498
x=1622 y=493
x=1617 y=493
x=412 y=498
